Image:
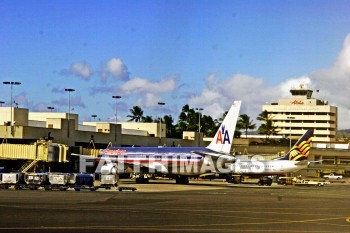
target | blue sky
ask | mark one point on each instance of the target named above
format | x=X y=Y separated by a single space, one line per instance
x=202 y=53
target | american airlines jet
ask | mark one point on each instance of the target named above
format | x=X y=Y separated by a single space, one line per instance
x=177 y=162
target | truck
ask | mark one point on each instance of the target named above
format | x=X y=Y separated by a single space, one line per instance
x=333 y=176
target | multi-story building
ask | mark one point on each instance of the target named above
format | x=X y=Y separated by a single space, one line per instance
x=292 y=116
x=18 y=125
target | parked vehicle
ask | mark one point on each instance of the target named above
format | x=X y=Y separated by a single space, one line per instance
x=332 y=176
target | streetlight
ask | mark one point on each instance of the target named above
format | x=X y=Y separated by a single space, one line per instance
x=50 y=108
x=160 y=122
x=69 y=90
x=199 y=120
x=1 y=103
x=290 y=131
x=199 y=125
x=11 y=83
x=94 y=116
x=116 y=97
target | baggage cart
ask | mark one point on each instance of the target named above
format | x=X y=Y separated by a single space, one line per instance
x=36 y=180
x=59 y=181
x=12 y=179
x=108 y=181
x=85 y=181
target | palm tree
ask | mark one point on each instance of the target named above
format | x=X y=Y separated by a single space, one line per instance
x=170 y=128
x=245 y=123
x=137 y=114
x=187 y=119
x=267 y=126
x=208 y=126
x=147 y=119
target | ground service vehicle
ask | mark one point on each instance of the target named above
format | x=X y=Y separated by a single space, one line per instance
x=332 y=176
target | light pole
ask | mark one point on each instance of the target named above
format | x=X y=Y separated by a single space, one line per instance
x=160 y=122
x=199 y=125
x=69 y=90
x=50 y=108
x=116 y=97
x=1 y=103
x=94 y=116
x=199 y=120
x=290 y=131
x=11 y=83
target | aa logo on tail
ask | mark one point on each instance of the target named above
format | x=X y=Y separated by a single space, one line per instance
x=223 y=136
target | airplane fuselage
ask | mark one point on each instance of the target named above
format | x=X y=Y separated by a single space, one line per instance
x=268 y=167
x=169 y=160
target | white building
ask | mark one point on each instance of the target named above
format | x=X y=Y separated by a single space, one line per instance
x=292 y=116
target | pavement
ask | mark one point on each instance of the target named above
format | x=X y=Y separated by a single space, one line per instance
x=163 y=206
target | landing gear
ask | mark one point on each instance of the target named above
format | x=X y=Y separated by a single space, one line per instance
x=182 y=180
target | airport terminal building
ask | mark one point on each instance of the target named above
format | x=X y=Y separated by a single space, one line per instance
x=292 y=116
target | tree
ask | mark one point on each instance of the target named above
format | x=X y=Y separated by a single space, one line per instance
x=136 y=114
x=267 y=126
x=170 y=128
x=148 y=119
x=188 y=119
x=208 y=126
x=244 y=122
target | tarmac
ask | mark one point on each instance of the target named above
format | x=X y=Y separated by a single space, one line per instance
x=163 y=206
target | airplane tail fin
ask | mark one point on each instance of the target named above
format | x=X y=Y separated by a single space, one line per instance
x=300 y=151
x=224 y=136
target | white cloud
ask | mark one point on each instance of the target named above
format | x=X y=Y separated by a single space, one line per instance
x=149 y=100
x=218 y=95
x=80 y=69
x=83 y=70
x=139 y=86
x=152 y=100
x=114 y=68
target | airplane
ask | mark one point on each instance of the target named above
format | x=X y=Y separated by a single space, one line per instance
x=177 y=162
x=294 y=160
